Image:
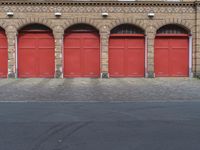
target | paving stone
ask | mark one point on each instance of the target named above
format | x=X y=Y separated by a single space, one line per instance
x=113 y=89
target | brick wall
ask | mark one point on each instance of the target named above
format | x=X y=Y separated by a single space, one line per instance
x=186 y=14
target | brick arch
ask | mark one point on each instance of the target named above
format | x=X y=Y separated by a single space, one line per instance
x=3 y=28
x=88 y=21
x=5 y=31
x=3 y=25
x=127 y=21
x=42 y=21
x=182 y=23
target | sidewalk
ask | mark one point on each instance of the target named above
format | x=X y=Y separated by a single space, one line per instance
x=114 y=89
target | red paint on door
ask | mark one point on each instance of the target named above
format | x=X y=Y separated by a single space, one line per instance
x=3 y=55
x=81 y=55
x=171 y=56
x=36 y=55
x=126 y=56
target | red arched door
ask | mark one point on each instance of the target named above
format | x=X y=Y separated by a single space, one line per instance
x=36 y=52
x=171 y=52
x=3 y=54
x=127 y=52
x=81 y=52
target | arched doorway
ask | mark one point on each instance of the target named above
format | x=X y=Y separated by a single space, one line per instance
x=171 y=56
x=81 y=51
x=3 y=54
x=127 y=51
x=36 y=52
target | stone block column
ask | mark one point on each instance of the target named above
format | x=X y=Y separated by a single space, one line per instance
x=104 y=38
x=12 y=58
x=150 y=54
x=197 y=43
x=58 y=36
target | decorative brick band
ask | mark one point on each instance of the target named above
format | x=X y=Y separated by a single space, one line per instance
x=96 y=9
x=97 y=3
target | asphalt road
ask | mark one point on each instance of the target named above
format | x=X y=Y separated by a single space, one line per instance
x=100 y=126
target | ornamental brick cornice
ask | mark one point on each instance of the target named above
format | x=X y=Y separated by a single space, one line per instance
x=97 y=3
x=197 y=3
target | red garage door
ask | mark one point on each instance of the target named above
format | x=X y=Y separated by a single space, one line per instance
x=81 y=53
x=126 y=53
x=171 y=55
x=36 y=53
x=3 y=54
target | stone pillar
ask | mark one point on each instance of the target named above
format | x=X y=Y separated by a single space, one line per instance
x=12 y=62
x=104 y=38
x=58 y=36
x=197 y=43
x=150 y=56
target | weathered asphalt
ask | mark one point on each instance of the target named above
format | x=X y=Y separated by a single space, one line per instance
x=100 y=126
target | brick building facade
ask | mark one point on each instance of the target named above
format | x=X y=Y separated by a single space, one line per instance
x=185 y=14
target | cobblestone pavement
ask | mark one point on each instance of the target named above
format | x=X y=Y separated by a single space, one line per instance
x=114 y=89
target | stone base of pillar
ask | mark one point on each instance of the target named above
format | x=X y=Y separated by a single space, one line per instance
x=105 y=75
x=197 y=75
x=151 y=74
x=58 y=74
x=11 y=75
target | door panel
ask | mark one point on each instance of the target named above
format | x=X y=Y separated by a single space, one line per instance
x=72 y=62
x=91 y=61
x=36 y=55
x=171 y=56
x=3 y=55
x=135 y=63
x=126 y=56
x=81 y=55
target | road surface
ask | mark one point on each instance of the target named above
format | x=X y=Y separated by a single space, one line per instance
x=100 y=126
